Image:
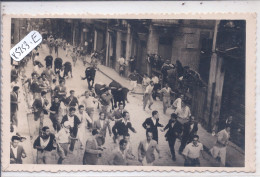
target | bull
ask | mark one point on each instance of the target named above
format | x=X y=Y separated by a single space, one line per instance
x=67 y=69
x=90 y=74
x=57 y=65
x=119 y=93
x=48 y=61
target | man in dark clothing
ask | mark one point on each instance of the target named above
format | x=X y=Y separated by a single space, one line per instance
x=121 y=127
x=39 y=108
x=44 y=145
x=61 y=90
x=54 y=113
x=166 y=66
x=73 y=123
x=174 y=131
x=132 y=63
x=189 y=130
x=16 y=151
x=152 y=123
x=71 y=101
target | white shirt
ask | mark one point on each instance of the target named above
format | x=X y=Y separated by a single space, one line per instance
x=85 y=116
x=88 y=102
x=155 y=80
x=101 y=123
x=146 y=145
x=42 y=99
x=121 y=61
x=146 y=81
x=183 y=112
x=14 y=150
x=191 y=127
x=71 y=121
x=149 y=89
x=44 y=143
x=177 y=103
x=154 y=120
x=63 y=136
x=193 y=151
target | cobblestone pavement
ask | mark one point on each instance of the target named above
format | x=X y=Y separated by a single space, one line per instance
x=27 y=126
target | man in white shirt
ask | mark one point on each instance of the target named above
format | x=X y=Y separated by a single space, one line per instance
x=148 y=96
x=192 y=152
x=89 y=103
x=121 y=62
x=219 y=150
x=146 y=81
x=184 y=111
x=155 y=80
x=177 y=103
x=146 y=150
x=63 y=140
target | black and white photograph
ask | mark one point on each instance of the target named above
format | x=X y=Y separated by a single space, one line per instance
x=129 y=92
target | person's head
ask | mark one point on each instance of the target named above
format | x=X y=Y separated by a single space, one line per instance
x=15 y=89
x=102 y=116
x=155 y=114
x=166 y=85
x=72 y=111
x=56 y=99
x=227 y=128
x=43 y=76
x=182 y=96
x=45 y=132
x=167 y=61
x=174 y=117
x=72 y=93
x=49 y=67
x=43 y=94
x=121 y=106
x=135 y=71
x=192 y=119
x=34 y=76
x=81 y=109
x=151 y=83
x=149 y=136
x=127 y=137
x=122 y=144
x=62 y=82
x=54 y=81
x=230 y=118
x=15 y=141
x=145 y=75
x=126 y=115
x=195 y=140
x=95 y=132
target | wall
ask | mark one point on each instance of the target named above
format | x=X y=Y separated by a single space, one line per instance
x=186 y=48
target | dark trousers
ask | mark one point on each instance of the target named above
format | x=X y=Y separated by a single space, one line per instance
x=171 y=143
x=190 y=162
x=55 y=121
x=183 y=144
x=72 y=141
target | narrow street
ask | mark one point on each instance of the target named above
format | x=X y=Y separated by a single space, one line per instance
x=27 y=125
